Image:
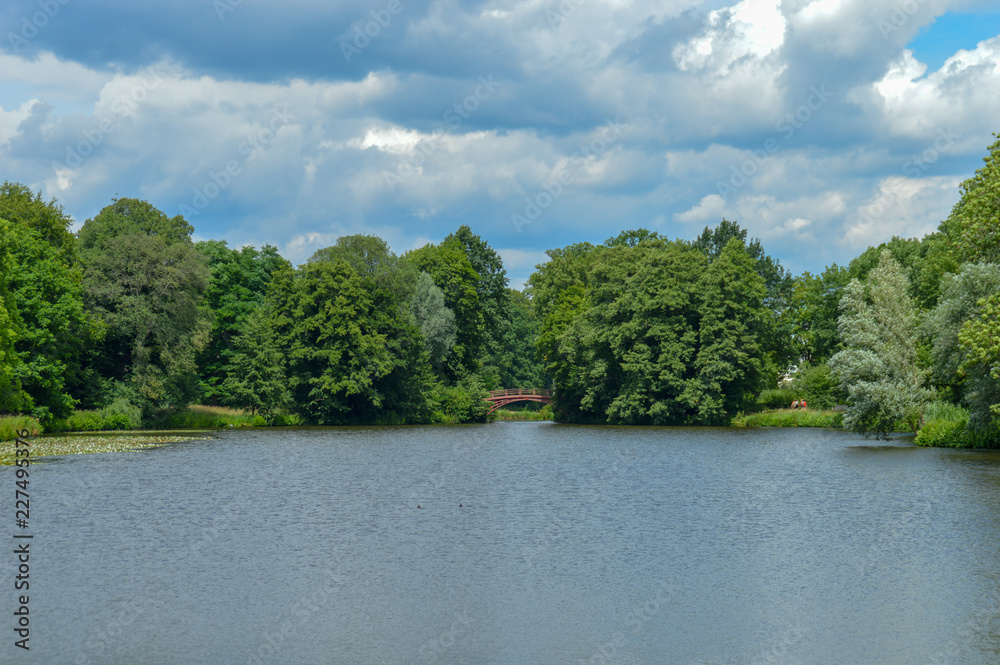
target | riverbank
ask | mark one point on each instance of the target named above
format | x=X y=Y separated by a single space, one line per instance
x=85 y=444
x=791 y=418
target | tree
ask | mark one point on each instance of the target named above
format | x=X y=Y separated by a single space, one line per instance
x=44 y=285
x=354 y=353
x=11 y=395
x=878 y=365
x=257 y=380
x=980 y=341
x=452 y=272
x=238 y=282
x=815 y=307
x=973 y=229
x=733 y=328
x=494 y=302
x=435 y=320
x=145 y=281
x=961 y=300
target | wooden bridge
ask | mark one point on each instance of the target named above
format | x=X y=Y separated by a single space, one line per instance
x=507 y=396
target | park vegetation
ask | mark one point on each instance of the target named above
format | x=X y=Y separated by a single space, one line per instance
x=129 y=323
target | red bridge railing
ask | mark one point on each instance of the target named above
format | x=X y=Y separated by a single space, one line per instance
x=517 y=392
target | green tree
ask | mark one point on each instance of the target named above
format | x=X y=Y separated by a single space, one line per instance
x=44 y=284
x=493 y=295
x=960 y=302
x=435 y=320
x=980 y=341
x=973 y=229
x=878 y=364
x=734 y=327
x=145 y=281
x=257 y=379
x=815 y=307
x=238 y=282
x=354 y=354
x=452 y=272
x=12 y=397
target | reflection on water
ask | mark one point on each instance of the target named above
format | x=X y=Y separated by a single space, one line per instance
x=518 y=543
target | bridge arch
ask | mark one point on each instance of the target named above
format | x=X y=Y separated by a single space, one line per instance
x=505 y=396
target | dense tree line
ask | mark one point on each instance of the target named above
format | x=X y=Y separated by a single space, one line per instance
x=130 y=313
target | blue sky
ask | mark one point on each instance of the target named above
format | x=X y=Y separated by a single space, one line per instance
x=822 y=126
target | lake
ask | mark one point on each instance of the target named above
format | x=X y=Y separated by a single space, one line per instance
x=514 y=544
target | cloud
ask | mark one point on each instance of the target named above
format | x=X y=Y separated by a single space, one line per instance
x=258 y=129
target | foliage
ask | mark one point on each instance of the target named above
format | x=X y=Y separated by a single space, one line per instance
x=10 y=426
x=12 y=397
x=453 y=273
x=776 y=398
x=42 y=282
x=256 y=380
x=959 y=303
x=973 y=229
x=818 y=386
x=464 y=402
x=435 y=320
x=353 y=355
x=647 y=331
x=979 y=339
x=144 y=280
x=815 y=310
x=790 y=418
x=526 y=414
x=119 y=415
x=877 y=367
x=238 y=281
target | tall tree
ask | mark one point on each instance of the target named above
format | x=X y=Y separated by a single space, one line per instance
x=44 y=284
x=878 y=365
x=238 y=282
x=980 y=341
x=973 y=229
x=12 y=397
x=815 y=305
x=257 y=381
x=452 y=272
x=145 y=281
x=435 y=320
x=354 y=353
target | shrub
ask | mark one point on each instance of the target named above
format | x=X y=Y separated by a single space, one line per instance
x=777 y=398
x=818 y=387
x=11 y=425
x=946 y=433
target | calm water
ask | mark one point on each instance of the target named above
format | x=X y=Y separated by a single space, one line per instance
x=533 y=543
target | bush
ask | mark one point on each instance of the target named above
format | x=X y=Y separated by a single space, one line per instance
x=943 y=433
x=778 y=398
x=818 y=387
x=121 y=414
x=11 y=425
x=791 y=418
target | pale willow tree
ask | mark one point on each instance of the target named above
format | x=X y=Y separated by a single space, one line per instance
x=435 y=320
x=878 y=365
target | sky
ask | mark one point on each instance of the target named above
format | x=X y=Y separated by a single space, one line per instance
x=821 y=126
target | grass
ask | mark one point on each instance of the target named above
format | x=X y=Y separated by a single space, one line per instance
x=534 y=415
x=791 y=418
x=88 y=444
x=11 y=425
